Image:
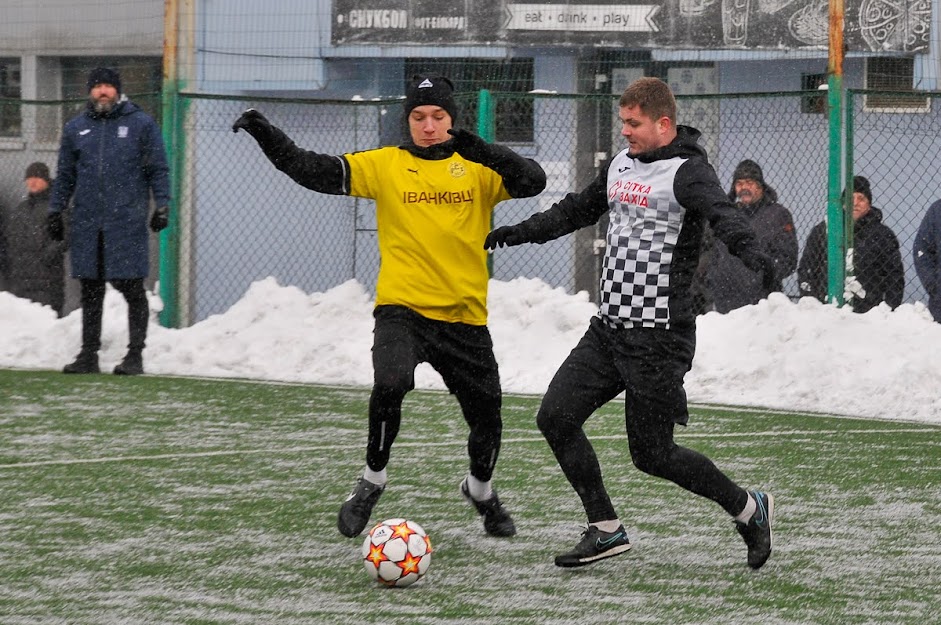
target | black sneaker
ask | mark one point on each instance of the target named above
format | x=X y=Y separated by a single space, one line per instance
x=757 y=532
x=355 y=511
x=133 y=364
x=497 y=521
x=85 y=362
x=595 y=545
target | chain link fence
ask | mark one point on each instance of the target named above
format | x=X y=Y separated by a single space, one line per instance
x=241 y=220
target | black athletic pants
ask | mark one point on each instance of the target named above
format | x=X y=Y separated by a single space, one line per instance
x=648 y=364
x=461 y=353
x=93 y=300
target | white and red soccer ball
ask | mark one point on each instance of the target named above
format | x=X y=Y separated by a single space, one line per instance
x=397 y=552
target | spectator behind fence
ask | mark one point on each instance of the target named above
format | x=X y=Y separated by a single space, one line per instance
x=434 y=201
x=874 y=261
x=30 y=260
x=659 y=193
x=927 y=252
x=110 y=161
x=726 y=283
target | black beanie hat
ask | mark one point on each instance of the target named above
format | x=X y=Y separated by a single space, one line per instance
x=748 y=170
x=433 y=90
x=37 y=170
x=103 y=75
x=861 y=185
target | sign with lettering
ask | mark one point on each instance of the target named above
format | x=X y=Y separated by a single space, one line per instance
x=870 y=25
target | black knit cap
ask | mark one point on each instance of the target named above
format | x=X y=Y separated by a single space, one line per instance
x=431 y=89
x=103 y=75
x=861 y=185
x=749 y=170
x=37 y=170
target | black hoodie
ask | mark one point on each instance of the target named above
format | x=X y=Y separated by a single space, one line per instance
x=658 y=203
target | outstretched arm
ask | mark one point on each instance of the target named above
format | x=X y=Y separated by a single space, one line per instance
x=574 y=211
x=522 y=177
x=319 y=172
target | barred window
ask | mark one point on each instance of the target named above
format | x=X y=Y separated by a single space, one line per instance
x=11 y=120
x=893 y=74
x=814 y=103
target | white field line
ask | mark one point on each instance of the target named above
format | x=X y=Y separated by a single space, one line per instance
x=461 y=443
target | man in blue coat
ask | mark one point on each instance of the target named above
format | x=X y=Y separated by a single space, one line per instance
x=111 y=160
x=927 y=251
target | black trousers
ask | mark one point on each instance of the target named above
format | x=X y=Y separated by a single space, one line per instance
x=93 y=300
x=648 y=365
x=138 y=312
x=461 y=353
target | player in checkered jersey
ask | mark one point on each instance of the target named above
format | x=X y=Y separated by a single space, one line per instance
x=659 y=193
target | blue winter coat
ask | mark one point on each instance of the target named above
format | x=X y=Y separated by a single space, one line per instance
x=927 y=250
x=109 y=165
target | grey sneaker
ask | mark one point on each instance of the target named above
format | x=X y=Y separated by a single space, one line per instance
x=757 y=532
x=497 y=521
x=355 y=511
x=595 y=545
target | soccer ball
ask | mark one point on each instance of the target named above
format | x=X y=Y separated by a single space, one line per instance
x=397 y=552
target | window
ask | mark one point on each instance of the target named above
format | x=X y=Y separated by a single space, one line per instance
x=814 y=103
x=514 y=115
x=894 y=75
x=11 y=120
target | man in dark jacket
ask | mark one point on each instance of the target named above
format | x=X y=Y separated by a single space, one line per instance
x=659 y=194
x=111 y=160
x=927 y=251
x=29 y=259
x=728 y=282
x=874 y=262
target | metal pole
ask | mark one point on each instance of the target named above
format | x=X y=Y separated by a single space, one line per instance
x=486 y=128
x=836 y=251
x=169 y=238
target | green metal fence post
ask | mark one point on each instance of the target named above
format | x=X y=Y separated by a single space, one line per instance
x=486 y=128
x=836 y=253
x=846 y=194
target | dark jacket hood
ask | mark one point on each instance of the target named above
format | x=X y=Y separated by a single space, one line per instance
x=874 y=216
x=686 y=143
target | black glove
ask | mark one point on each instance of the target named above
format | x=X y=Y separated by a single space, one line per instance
x=505 y=236
x=763 y=265
x=160 y=218
x=469 y=145
x=252 y=122
x=54 y=226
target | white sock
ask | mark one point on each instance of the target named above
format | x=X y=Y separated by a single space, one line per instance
x=750 y=506
x=376 y=477
x=480 y=491
x=608 y=527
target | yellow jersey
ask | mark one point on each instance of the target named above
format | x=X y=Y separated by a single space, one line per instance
x=432 y=218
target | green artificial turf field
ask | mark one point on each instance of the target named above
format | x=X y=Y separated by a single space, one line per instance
x=170 y=500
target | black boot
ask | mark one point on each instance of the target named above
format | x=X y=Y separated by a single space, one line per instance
x=133 y=364
x=85 y=362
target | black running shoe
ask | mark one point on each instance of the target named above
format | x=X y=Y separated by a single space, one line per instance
x=133 y=364
x=497 y=521
x=595 y=545
x=355 y=511
x=85 y=362
x=757 y=532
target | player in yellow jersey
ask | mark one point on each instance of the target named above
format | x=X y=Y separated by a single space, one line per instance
x=434 y=196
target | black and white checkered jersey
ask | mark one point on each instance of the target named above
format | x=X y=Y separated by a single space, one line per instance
x=657 y=204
